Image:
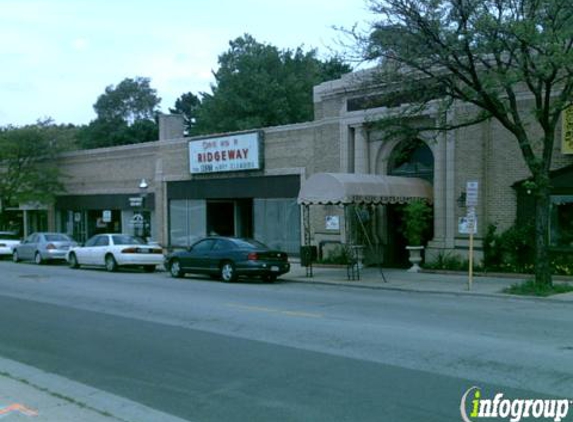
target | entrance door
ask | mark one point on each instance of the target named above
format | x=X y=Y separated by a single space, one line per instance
x=221 y=218
x=396 y=255
x=230 y=218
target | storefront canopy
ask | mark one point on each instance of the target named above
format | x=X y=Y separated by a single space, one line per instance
x=341 y=188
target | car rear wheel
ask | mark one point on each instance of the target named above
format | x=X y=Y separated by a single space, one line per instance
x=73 y=261
x=38 y=258
x=110 y=263
x=175 y=269
x=228 y=272
x=15 y=257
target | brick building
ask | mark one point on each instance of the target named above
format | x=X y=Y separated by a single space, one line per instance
x=259 y=197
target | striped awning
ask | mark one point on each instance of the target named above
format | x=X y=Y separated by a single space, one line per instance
x=343 y=188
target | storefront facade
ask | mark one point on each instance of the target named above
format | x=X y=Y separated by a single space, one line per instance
x=26 y=218
x=83 y=216
x=247 y=183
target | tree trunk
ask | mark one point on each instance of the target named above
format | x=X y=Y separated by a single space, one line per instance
x=542 y=263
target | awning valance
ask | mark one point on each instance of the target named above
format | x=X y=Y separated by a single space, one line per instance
x=342 y=188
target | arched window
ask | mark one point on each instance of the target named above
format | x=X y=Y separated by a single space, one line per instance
x=412 y=159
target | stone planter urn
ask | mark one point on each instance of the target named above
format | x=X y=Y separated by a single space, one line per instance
x=417 y=217
x=415 y=258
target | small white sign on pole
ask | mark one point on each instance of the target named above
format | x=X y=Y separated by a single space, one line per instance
x=465 y=225
x=472 y=189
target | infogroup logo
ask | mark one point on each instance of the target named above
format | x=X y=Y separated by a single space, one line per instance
x=473 y=407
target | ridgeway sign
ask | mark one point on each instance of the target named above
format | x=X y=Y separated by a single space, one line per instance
x=228 y=153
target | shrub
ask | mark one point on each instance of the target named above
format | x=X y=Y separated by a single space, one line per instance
x=531 y=288
x=337 y=256
x=417 y=217
x=514 y=251
x=450 y=261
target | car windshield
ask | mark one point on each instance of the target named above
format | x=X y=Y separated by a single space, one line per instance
x=249 y=244
x=9 y=236
x=122 y=239
x=57 y=238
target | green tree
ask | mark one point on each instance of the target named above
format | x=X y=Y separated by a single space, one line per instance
x=108 y=133
x=487 y=53
x=28 y=172
x=125 y=115
x=65 y=136
x=258 y=85
x=188 y=106
x=131 y=100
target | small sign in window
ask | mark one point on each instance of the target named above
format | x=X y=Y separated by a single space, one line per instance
x=332 y=222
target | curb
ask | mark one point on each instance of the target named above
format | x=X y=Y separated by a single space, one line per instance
x=51 y=388
x=505 y=296
x=564 y=278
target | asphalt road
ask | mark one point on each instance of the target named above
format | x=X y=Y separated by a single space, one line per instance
x=208 y=351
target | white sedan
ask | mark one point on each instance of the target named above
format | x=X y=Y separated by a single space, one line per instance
x=8 y=241
x=116 y=250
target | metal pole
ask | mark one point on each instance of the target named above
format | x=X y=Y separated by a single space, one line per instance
x=307 y=235
x=471 y=228
x=471 y=259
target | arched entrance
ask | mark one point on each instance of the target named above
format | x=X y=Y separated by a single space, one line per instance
x=411 y=158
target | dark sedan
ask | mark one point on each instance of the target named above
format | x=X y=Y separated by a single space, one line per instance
x=228 y=258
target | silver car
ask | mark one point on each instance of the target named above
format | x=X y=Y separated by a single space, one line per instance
x=42 y=247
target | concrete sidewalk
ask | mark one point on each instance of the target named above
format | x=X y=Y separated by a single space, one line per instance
x=425 y=281
x=29 y=394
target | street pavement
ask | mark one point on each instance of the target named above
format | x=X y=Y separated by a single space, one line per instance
x=28 y=393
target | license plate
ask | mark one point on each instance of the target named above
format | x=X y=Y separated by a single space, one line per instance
x=145 y=251
x=275 y=268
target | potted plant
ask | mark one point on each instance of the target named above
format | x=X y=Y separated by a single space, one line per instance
x=417 y=218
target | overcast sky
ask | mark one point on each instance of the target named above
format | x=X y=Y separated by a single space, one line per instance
x=59 y=55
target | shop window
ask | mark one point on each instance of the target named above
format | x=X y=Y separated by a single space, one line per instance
x=561 y=221
x=277 y=223
x=187 y=222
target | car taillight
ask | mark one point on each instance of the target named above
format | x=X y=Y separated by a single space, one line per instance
x=129 y=250
x=253 y=256
x=157 y=251
x=2 y=245
x=50 y=247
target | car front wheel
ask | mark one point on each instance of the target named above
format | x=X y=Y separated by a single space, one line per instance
x=228 y=272
x=15 y=256
x=73 y=261
x=175 y=269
